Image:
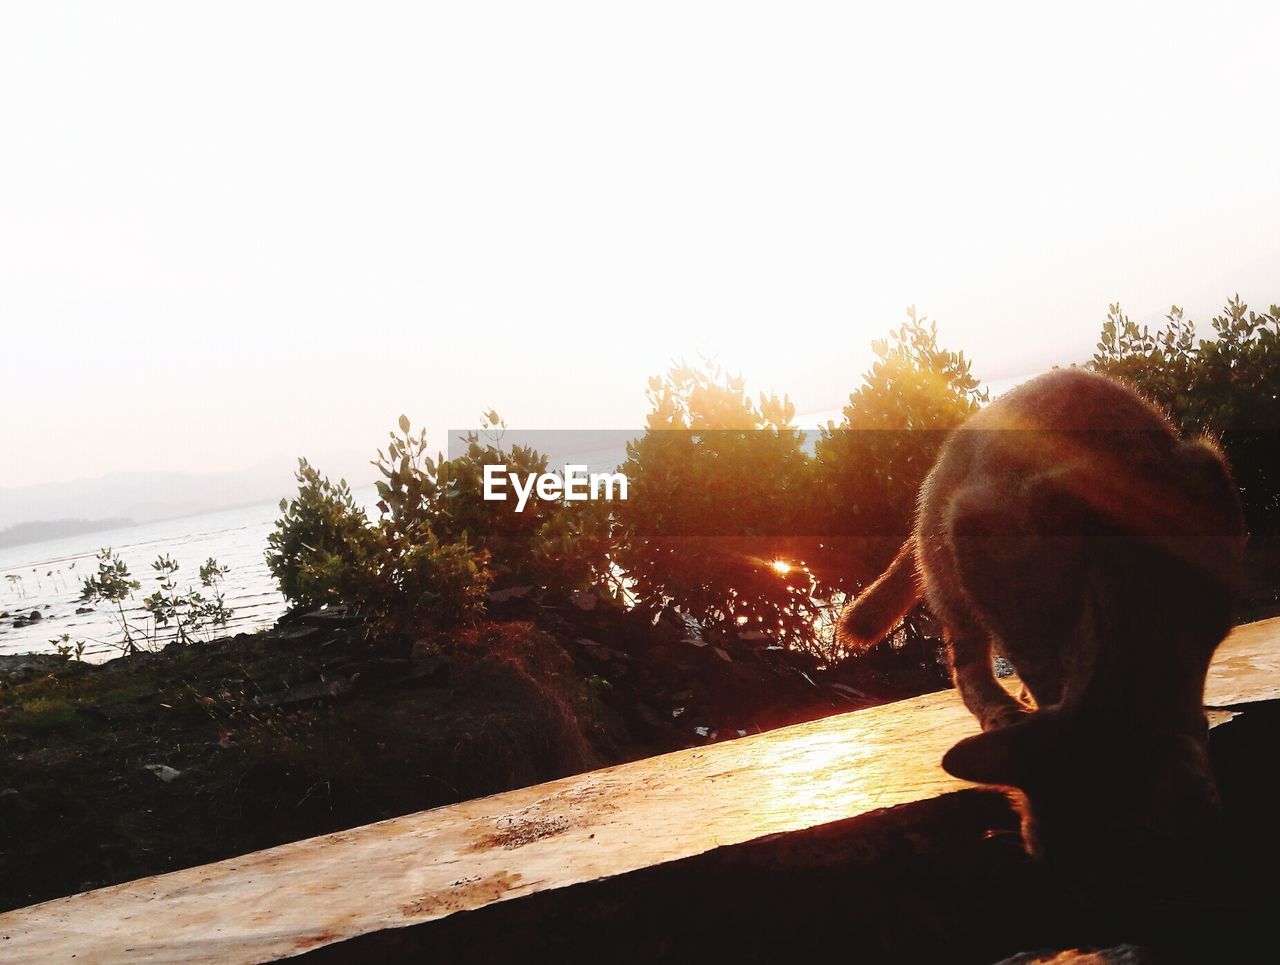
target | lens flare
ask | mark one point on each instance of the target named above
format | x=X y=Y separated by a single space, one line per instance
x=781 y=567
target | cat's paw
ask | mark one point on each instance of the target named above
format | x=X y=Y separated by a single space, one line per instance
x=999 y=718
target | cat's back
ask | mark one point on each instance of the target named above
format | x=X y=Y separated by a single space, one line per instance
x=1066 y=416
x=1071 y=400
x=1070 y=450
x=1064 y=421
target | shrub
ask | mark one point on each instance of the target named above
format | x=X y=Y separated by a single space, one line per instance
x=112 y=584
x=554 y=546
x=436 y=547
x=867 y=470
x=1227 y=387
x=396 y=574
x=711 y=507
x=320 y=542
x=188 y=612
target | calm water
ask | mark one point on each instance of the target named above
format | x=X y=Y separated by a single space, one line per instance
x=51 y=573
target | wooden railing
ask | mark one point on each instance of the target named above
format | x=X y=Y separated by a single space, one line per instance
x=593 y=827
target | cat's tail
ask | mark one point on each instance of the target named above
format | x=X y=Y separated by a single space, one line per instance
x=865 y=620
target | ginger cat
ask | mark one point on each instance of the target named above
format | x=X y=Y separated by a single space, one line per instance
x=1067 y=525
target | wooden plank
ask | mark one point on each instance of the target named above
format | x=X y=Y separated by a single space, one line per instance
x=1246 y=668
x=413 y=869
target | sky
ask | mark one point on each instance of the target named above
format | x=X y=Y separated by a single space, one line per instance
x=235 y=233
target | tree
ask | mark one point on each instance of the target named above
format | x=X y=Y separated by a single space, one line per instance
x=112 y=584
x=436 y=547
x=714 y=486
x=1226 y=387
x=868 y=469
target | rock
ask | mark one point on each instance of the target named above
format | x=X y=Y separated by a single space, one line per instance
x=84 y=609
x=163 y=771
x=330 y=616
x=424 y=648
x=427 y=664
x=602 y=654
x=298 y=634
x=29 y=663
x=669 y=627
x=1116 y=955
x=852 y=693
x=649 y=715
x=657 y=654
x=306 y=693
x=35 y=617
x=509 y=593
x=432 y=668
x=584 y=600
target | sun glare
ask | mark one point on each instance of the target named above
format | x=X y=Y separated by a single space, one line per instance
x=781 y=567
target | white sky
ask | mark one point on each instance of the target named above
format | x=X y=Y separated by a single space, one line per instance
x=232 y=233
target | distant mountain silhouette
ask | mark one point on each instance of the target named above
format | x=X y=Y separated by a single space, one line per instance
x=144 y=497
x=44 y=529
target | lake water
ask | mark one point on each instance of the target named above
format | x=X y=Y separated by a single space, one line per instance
x=50 y=575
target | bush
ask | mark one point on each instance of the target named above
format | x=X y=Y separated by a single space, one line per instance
x=321 y=541
x=867 y=470
x=732 y=524
x=1225 y=387
x=711 y=509
x=729 y=522
x=554 y=546
x=187 y=612
x=396 y=574
x=437 y=547
x=112 y=584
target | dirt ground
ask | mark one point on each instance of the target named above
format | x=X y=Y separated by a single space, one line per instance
x=155 y=762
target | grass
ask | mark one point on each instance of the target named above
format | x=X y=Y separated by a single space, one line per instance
x=256 y=772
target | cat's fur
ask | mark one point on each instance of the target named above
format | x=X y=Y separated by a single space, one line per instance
x=1068 y=526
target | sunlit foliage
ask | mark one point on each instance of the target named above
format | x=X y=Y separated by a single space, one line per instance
x=715 y=493
x=737 y=525
x=1226 y=386
x=551 y=545
x=868 y=468
x=436 y=548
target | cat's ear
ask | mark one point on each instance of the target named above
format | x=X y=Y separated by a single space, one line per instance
x=1010 y=756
